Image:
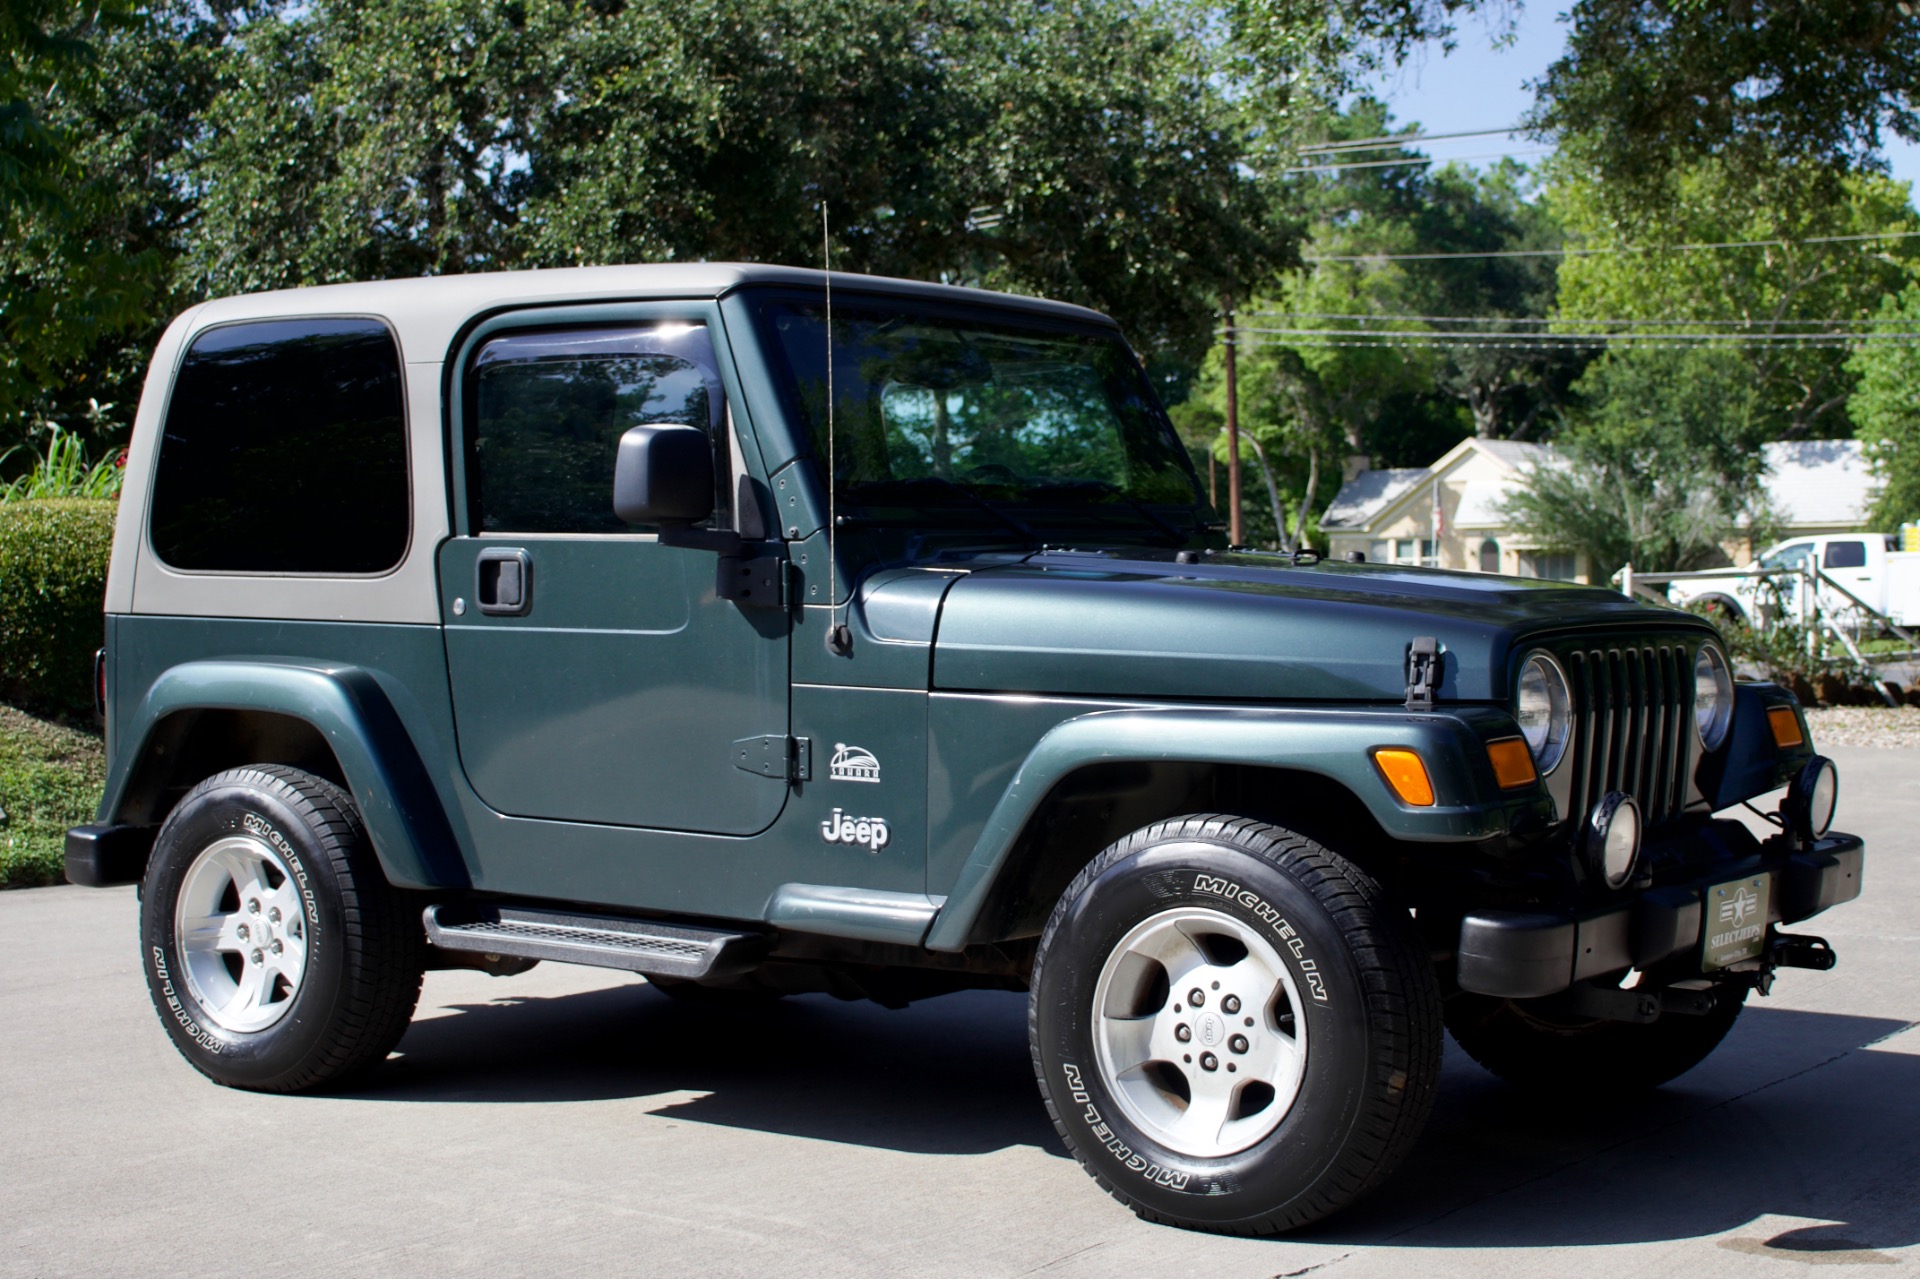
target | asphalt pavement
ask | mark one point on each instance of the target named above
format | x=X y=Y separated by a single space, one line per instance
x=571 y=1121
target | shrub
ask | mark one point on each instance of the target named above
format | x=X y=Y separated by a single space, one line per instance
x=66 y=472
x=53 y=582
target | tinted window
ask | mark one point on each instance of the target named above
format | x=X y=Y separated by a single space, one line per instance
x=1846 y=555
x=285 y=451
x=929 y=405
x=549 y=409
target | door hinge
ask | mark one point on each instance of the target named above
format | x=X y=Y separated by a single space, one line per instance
x=1423 y=672
x=759 y=582
x=788 y=758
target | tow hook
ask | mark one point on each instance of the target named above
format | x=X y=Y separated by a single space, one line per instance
x=1788 y=950
x=1791 y=951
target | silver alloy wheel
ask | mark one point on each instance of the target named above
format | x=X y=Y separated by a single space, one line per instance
x=1196 y=1032
x=242 y=933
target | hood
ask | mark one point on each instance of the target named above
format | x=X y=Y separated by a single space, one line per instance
x=1252 y=627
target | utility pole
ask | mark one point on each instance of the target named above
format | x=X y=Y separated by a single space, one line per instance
x=1233 y=428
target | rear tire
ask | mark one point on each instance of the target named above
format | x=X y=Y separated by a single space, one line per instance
x=1296 y=1082
x=277 y=955
x=1591 y=1060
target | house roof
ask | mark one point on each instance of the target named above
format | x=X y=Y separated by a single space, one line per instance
x=1369 y=493
x=1818 y=482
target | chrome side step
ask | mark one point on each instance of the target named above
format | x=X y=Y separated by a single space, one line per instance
x=598 y=941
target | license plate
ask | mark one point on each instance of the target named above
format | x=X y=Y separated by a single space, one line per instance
x=1736 y=921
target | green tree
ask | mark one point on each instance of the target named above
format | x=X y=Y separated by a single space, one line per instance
x=68 y=284
x=1885 y=408
x=1660 y=466
x=1638 y=280
x=1649 y=87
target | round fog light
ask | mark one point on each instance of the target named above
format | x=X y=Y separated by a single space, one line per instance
x=1613 y=838
x=1814 y=795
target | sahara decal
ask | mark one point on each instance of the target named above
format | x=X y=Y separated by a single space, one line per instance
x=852 y=764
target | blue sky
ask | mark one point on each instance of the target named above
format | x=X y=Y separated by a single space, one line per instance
x=1480 y=87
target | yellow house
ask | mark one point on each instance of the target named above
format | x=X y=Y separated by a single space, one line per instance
x=1447 y=515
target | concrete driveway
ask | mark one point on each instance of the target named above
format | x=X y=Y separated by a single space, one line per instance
x=570 y=1121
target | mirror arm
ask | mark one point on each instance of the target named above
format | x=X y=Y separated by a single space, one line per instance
x=723 y=541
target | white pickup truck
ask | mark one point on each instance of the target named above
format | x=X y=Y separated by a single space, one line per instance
x=1866 y=565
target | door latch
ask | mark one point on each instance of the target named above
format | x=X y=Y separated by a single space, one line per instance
x=503 y=582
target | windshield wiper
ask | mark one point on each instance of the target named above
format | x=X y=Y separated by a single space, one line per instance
x=945 y=485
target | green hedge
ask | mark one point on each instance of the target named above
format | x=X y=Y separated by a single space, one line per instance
x=53 y=585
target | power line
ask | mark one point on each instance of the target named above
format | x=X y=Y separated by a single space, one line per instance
x=1529 y=319
x=1412 y=162
x=1402 y=139
x=1403 y=337
x=1584 y=253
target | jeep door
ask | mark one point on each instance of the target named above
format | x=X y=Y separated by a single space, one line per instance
x=597 y=675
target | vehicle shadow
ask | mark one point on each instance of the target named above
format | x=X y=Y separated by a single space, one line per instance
x=948 y=1076
x=1775 y=1124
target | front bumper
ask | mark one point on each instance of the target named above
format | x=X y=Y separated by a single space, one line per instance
x=1529 y=954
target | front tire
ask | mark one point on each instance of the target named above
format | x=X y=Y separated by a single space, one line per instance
x=1295 y=1082
x=277 y=955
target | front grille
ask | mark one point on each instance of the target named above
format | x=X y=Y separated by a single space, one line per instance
x=1633 y=709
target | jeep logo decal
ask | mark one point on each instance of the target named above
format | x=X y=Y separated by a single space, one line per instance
x=868 y=831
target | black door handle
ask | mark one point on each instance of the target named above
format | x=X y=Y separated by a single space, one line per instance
x=503 y=582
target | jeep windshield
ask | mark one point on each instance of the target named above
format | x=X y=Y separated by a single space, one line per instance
x=948 y=415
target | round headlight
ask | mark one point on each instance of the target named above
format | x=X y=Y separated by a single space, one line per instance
x=1712 y=695
x=1814 y=795
x=1613 y=838
x=1544 y=708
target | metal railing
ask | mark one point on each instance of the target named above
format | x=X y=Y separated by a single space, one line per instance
x=1816 y=618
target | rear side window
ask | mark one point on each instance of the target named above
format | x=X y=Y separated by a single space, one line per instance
x=548 y=411
x=285 y=451
x=1846 y=555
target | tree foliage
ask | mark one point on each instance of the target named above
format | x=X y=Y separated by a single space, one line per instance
x=1649 y=87
x=1886 y=410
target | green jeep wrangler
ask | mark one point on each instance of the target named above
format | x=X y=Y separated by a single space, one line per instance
x=766 y=634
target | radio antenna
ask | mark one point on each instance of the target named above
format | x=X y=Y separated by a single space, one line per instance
x=839 y=638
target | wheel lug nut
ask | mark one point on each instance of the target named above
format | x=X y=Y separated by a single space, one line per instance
x=1238 y=1043
x=241 y=932
x=258 y=957
x=253 y=907
x=1209 y=1062
x=273 y=916
x=1231 y=1004
x=1197 y=997
x=1183 y=1032
x=276 y=948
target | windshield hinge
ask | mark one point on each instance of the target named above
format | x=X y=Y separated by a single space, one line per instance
x=1423 y=672
x=789 y=759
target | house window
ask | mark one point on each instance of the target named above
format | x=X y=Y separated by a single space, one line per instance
x=1489 y=556
x=1415 y=550
x=1561 y=567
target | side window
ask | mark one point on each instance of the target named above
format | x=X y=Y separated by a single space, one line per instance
x=285 y=451
x=547 y=410
x=1846 y=555
x=1788 y=556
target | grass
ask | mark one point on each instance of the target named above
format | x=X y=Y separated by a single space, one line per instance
x=50 y=779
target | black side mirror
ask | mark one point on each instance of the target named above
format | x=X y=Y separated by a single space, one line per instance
x=663 y=475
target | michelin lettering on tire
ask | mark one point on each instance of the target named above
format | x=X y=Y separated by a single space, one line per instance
x=1171 y=1178
x=1274 y=920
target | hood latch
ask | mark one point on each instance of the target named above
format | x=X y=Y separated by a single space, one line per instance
x=1423 y=672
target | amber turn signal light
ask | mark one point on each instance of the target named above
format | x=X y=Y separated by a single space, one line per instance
x=1406 y=772
x=1512 y=762
x=1786 y=727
